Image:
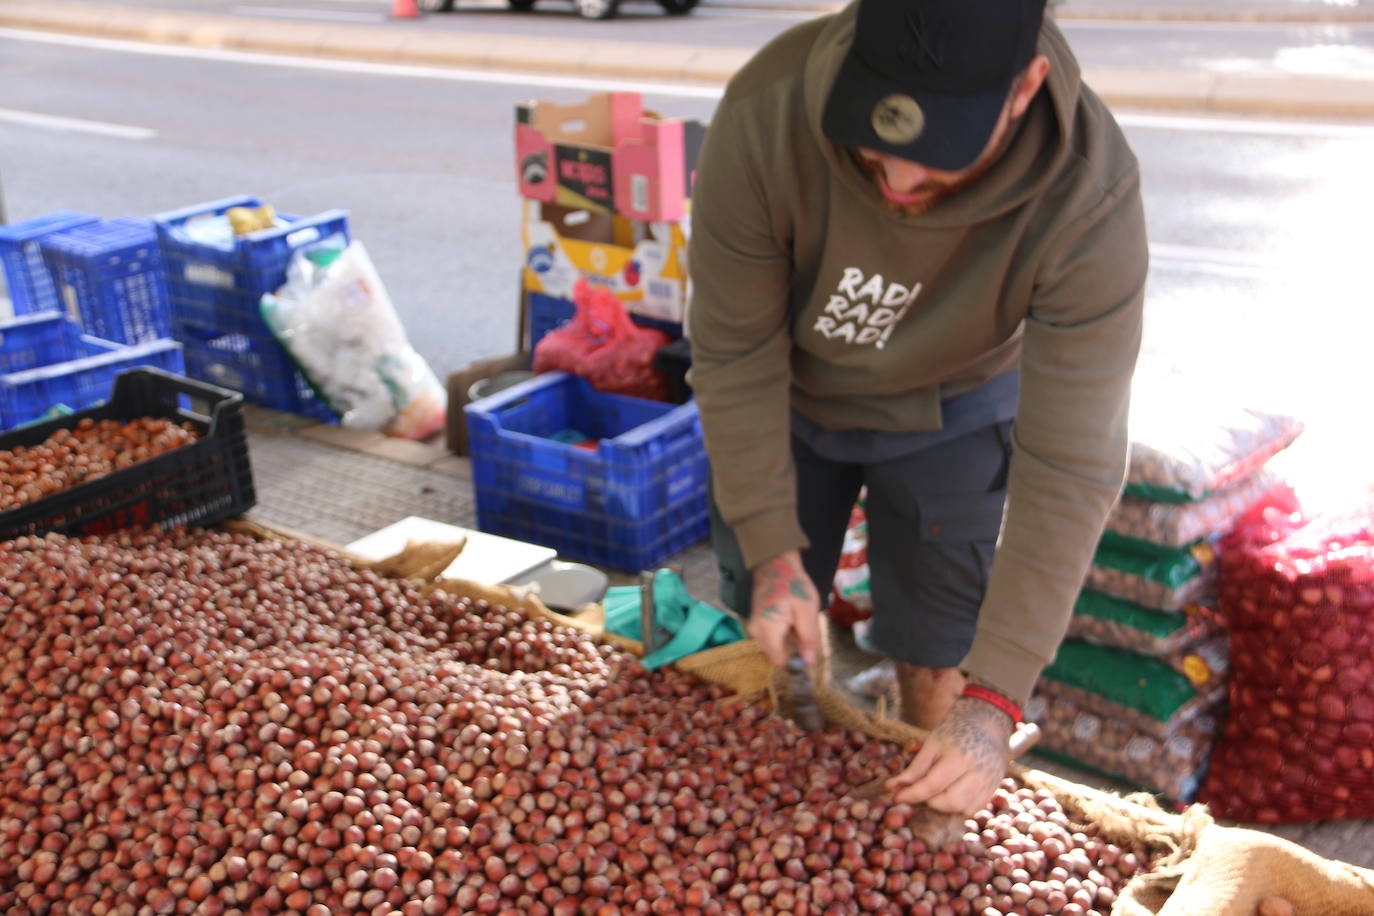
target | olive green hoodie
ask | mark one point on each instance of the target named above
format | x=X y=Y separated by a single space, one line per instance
x=809 y=294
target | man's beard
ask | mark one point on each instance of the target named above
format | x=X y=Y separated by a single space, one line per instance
x=936 y=191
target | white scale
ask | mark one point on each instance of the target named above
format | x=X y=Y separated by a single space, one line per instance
x=486 y=558
x=492 y=560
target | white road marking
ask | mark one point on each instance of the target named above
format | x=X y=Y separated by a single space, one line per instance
x=1215 y=261
x=1315 y=129
x=1198 y=124
x=451 y=74
x=80 y=125
x=328 y=15
x=786 y=15
x=1184 y=26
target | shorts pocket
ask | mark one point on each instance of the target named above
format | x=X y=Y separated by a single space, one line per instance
x=965 y=517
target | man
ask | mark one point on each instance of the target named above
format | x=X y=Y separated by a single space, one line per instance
x=912 y=225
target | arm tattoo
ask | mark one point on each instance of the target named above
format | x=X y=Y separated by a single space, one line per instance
x=979 y=733
x=775 y=583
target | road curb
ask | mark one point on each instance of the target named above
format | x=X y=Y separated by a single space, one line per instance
x=1274 y=94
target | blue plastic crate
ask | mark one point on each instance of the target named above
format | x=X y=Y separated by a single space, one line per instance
x=82 y=377
x=109 y=274
x=629 y=502
x=254 y=363
x=31 y=341
x=22 y=270
x=219 y=288
x=549 y=312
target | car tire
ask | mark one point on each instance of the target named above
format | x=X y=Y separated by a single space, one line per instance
x=677 y=7
x=436 y=6
x=597 y=9
x=521 y=6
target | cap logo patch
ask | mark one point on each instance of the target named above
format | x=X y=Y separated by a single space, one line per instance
x=897 y=119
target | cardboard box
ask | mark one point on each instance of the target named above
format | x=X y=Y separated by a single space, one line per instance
x=456 y=426
x=607 y=153
x=643 y=263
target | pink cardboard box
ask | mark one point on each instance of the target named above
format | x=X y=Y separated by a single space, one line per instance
x=607 y=153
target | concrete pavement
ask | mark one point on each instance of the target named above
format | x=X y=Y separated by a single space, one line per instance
x=408 y=42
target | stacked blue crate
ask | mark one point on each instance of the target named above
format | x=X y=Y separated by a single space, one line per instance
x=215 y=287
x=25 y=284
x=109 y=275
x=45 y=361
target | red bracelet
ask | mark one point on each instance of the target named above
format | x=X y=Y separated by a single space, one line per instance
x=996 y=699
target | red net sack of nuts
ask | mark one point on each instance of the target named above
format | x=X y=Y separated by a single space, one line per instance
x=566 y=348
x=1299 y=600
x=624 y=361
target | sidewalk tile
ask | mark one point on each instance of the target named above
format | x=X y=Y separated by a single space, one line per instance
x=405 y=451
x=454 y=466
x=356 y=440
x=1293 y=94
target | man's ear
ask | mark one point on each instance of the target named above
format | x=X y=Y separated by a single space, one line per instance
x=1031 y=81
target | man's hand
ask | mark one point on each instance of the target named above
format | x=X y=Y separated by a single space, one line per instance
x=962 y=761
x=785 y=603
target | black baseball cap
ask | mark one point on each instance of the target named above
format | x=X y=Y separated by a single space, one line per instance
x=926 y=79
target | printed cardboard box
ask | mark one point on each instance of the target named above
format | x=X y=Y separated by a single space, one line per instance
x=645 y=264
x=607 y=153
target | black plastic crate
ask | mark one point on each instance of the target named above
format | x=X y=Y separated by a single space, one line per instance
x=202 y=483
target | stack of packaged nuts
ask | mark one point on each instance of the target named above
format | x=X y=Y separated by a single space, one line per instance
x=1138 y=688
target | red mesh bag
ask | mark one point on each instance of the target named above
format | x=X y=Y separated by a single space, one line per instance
x=624 y=361
x=1298 y=744
x=567 y=348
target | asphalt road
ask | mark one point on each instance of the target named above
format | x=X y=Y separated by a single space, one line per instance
x=1259 y=246
x=1100 y=30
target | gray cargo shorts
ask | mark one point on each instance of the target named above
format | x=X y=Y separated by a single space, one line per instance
x=933 y=520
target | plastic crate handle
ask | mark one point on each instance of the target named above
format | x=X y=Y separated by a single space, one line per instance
x=298 y=232
x=214 y=208
x=219 y=400
x=302 y=232
x=681 y=420
x=513 y=395
x=676 y=423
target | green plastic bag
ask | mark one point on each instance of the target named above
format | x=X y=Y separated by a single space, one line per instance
x=695 y=625
x=52 y=413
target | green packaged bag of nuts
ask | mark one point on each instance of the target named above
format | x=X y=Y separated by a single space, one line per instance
x=1154 y=576
x=1171 y=764
x=1152 y=694
x=1183 y=450
x=1107 y=621
x=1181 y=524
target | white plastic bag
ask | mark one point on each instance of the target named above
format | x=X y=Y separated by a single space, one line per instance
x=336 y=320
x=1186 y=446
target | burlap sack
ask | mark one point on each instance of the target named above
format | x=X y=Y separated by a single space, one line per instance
x=1201 y=869
x=1230 y=870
